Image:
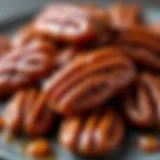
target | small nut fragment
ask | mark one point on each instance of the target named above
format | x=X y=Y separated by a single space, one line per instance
x=38 y=148
x=148 y=143
x=1 y=122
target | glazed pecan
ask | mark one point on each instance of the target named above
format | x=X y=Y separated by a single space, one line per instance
x=71 y=23
x=5 y=45
x=25 y=65
x=89 y=80
x=96 y=134
x=141 y=45
x=26 y=34
x=142 y=102
x=27 y=112
x=123 y=16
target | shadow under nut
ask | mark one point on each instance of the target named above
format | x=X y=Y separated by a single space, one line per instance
x=143 y=109
x=89 y=80
x=27 y=113
x=96 y=134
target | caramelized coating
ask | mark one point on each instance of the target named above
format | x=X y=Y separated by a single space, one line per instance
x=88 y=81
x=142 y=46
x=96 y=134
x=71 y=23
x=26 y=34
x=148 y=143
x=123 y=16
x=25 y=65
x=5 y=45
x=142 y=102
x=27 y=112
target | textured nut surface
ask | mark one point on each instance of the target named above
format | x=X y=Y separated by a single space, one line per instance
x=38 y=148
x=96 y=134
x=25 y=65
x=141 y=44
x=5 y=45
x=88 y=81
x=142 y=102
x=70 y=23
x=27 y=112
x=148 y=143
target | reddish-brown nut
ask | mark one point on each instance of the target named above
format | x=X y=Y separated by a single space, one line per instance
x=142 y=102
x=1 y=122
x=38 y=148
x=89 y=80
x=26 y=34
x=148 y=143
x=27 y=112
x=123 y=15
x=71 y=23
x=97 y=134
x=25 y=65
x=141 y=45
x=5 y=45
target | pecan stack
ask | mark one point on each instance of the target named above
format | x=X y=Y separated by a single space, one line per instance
x=96 y=134
x=83 y=58
x=88 y=81
x=27 y=112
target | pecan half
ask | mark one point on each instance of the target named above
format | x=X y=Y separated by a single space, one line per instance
x=89 y=80
x=96 y=134
x=142 y=102
x=123 y=15
x=25 y=65
x=27 y=112
x=141 y=45
x=71 y=23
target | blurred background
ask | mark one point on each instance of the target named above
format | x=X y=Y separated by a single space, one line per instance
x=9 y=9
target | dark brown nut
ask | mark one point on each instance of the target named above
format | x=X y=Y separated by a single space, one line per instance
x=38 y=148
x=123 y=16
x=96 y=134
x=5 y=45
x=89 y=80
x=25 y=65
x=142 y=46
x=142 y=102
x=27 y=112
x=148 y=143
x=71 y=23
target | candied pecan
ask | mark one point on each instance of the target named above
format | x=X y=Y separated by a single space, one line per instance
x=142 y=102
x=25 y=65
x=27 y=112
x=5 y=45
x=123 y=15
x=96 y=134
x=71 y=23
x=141 y=45
x=89 y=80
x=26 y=34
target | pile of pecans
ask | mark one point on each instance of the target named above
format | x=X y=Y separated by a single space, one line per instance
x=96 y=68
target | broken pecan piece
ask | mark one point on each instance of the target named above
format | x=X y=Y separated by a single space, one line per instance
x=25 y=65
x=71 y=23
x=142 y=102
x=89 y=80
x=96 y=134
x=123 y=15
x=141 y=45
x=27 y=112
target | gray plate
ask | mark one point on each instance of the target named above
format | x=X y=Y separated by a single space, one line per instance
x=127 y=151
